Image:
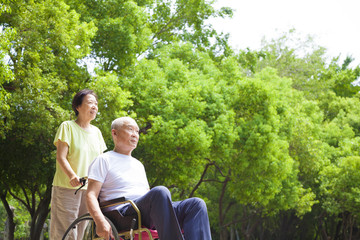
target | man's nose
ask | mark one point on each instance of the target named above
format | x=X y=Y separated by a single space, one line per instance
x=135 y=133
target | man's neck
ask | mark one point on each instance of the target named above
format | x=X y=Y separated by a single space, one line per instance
x=122 y=151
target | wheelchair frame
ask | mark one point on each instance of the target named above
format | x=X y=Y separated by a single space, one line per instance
x=124 y=234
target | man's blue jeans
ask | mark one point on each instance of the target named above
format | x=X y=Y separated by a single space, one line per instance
x=172 y=218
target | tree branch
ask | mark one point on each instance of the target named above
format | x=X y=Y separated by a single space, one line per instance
x=201 y=178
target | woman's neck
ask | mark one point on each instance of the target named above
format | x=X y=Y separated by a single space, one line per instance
x=84 y=124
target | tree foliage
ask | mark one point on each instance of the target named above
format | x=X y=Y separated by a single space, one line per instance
x=43 y=58
x=269 y=138
x=6 y=76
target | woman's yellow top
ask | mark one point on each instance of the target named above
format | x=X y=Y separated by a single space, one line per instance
x=84 y=147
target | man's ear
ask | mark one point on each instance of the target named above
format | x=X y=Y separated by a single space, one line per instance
x=113 y=132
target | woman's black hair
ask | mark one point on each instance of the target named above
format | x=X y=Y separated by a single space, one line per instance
x=79 y=97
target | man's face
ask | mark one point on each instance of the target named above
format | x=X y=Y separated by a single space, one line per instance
x=128 y=135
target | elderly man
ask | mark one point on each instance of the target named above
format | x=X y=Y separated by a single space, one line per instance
x=117 y=174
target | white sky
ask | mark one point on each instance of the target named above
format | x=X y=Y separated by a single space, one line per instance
x=334 y=24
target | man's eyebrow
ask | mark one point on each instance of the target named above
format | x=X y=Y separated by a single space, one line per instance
x=133 y=126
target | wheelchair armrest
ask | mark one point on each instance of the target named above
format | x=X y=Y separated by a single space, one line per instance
x=122 y=200
x=112 y=202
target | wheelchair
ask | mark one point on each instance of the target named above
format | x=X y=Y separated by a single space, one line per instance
x=127 y=227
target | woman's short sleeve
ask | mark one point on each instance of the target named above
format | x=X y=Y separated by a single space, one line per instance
x=63 y=134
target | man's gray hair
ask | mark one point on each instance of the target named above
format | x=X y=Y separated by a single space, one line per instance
x=120 y=122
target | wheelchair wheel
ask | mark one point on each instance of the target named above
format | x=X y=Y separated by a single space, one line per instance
x=86 y=223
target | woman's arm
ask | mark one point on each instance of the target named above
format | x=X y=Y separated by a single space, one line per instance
x=61 y=157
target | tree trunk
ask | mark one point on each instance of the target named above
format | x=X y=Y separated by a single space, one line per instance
x=40 y=216
x=222 y=213
x=10 y=225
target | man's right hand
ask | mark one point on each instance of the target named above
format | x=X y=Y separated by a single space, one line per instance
x=104 y=230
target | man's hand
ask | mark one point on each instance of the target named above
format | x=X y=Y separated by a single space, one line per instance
x=104 y=230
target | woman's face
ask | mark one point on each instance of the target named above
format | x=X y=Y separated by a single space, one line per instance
x=88 y=108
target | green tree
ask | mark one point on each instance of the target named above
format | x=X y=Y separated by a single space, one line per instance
x=265 y=175
x=123 y=33
x=43 y=57
x=6 y=76
x=296 y=57
x=128 y=30
x=340 y=132
x=341 y=194
x=327 y=127
x=340 y=78
x=172 y=100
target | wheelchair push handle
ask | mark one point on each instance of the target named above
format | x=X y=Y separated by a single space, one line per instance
x=83 y=182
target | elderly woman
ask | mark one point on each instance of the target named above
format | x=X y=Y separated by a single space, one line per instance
x=78 y=143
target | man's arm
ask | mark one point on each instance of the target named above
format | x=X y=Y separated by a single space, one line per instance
x=103 y=228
